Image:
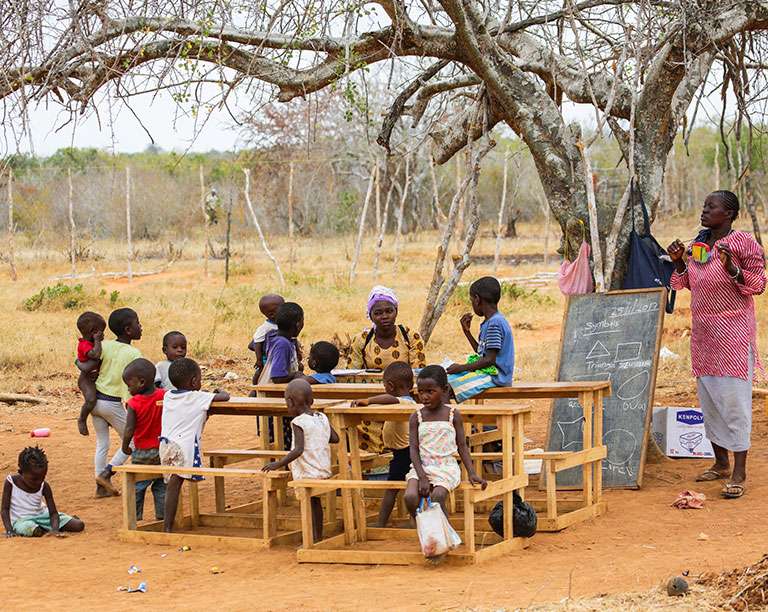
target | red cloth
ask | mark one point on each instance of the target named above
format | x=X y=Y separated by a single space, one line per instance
x=149 y=415
x=83 y=346
x=689 y=500
x=722 y=310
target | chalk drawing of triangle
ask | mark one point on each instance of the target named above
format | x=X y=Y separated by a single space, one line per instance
x=598 y=351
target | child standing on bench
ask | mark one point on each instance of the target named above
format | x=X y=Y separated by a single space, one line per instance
x=398 y=384
x=436 y=432
x=22 y=508
x=112 y=392
x=185 y=410
x=174 y=347
x=310 y=454
x=143 y=423
x=91 y=326
x=323 y=359
x=495 y=347
x=268 y=305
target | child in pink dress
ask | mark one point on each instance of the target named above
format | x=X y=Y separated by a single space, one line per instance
x=436 y=433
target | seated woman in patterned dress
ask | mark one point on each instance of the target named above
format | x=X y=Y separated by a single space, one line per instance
x=383 y=343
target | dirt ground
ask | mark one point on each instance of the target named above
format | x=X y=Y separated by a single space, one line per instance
x=636 y=546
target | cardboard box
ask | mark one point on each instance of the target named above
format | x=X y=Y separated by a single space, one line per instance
x=679 y=432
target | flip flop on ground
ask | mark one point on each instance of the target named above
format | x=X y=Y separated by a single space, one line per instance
x=733 y=490
x=710 y=475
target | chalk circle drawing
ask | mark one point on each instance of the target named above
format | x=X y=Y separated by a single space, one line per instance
x=627 y=351
x=621 y=447
x=690 y=440
x=571 y=431
x=634 y=386
x=598 y=351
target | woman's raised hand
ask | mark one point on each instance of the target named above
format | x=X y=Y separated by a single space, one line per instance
x=676 y=250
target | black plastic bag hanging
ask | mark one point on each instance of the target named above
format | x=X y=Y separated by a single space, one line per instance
x=649 y=264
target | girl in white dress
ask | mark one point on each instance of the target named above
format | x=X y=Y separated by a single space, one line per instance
x=310 y=454
x=436 y=434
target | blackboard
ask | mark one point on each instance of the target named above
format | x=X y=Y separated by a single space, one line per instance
x=611 y=336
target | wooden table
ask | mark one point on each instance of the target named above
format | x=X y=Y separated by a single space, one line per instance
x=338 y=549
x=590 y=395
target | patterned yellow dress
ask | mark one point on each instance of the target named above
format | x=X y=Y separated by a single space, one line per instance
x=371 y=356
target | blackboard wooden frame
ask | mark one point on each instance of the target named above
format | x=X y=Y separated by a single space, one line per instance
x=662 y=297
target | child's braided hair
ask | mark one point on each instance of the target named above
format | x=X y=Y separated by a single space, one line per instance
x=32 y=457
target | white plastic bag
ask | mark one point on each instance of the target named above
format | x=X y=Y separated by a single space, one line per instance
x=436 y=535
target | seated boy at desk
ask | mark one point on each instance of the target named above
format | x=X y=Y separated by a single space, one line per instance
x=398 y=384
x=495 y=347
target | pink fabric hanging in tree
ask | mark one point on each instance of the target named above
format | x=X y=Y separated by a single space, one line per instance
x=575 y=277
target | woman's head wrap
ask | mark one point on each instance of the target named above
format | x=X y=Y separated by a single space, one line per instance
x=380 y=294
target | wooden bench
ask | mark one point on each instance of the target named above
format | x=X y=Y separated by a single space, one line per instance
x=351 y=546
x=334 y=549
x=222 y=457
x=263 y=527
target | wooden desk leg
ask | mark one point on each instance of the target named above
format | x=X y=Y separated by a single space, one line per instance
x=269 y=513
x=551 y=477
x=587 y=435
x=307 y=538
x=347 y=511
x=509 y=467
x=357 y=474
x=129 y=500
x=263 y=436
x=218 y=486
x=469 y=522
x=194 y=503
x=598 y=482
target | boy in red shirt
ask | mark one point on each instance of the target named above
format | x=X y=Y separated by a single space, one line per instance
x=91 y=326
x=142 y=426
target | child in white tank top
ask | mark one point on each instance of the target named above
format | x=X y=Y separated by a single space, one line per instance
x=23 y=511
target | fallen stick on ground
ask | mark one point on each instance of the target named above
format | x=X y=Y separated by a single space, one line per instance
x=12 y=398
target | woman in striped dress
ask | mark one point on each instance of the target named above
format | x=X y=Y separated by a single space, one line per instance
x=723 y=268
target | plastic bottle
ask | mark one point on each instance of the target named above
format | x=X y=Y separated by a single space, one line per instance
x=40 y=432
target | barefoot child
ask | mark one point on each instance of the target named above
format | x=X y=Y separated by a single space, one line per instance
x=142 y=427
x=185 y=411
x=495 y=347
x=310 y=455
x=22 y=508
x=323 y=358
x=174 y=347
x=398 y=384
x=111 y=392
x=268 y=305
x=436 y=432
x=91 y=327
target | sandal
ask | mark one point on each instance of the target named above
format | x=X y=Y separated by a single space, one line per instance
x=733 y=490
x=710 y=475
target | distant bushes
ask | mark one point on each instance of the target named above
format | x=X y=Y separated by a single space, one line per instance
x=65 y=297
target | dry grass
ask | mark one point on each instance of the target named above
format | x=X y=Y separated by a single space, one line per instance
x=38 y=347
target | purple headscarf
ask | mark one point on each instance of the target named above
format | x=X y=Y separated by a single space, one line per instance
x=380 y=294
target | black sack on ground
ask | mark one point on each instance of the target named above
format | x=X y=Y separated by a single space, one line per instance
x=523 y=518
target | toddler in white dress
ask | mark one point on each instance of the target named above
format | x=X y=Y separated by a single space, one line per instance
x=310 y=454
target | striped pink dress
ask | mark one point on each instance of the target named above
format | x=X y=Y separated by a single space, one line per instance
x=723 y=311
x=724 y=353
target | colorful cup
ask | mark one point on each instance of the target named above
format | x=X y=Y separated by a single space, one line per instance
x=700 y=252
